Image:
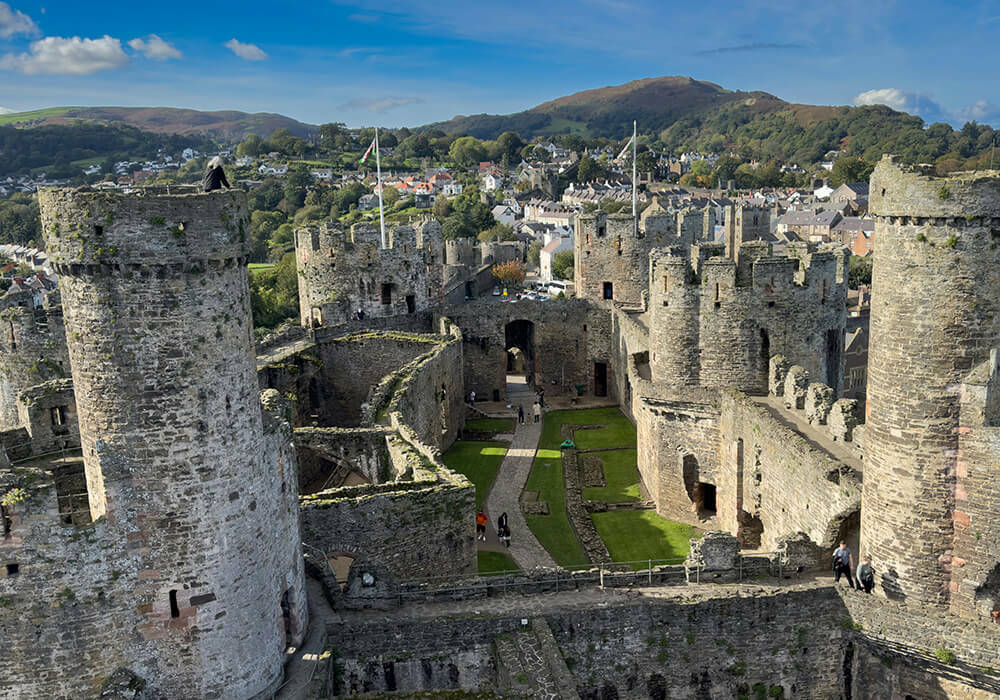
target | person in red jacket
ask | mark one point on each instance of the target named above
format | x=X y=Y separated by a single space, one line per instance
x=481 y=521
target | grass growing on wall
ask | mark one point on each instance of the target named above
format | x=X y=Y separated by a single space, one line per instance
x=635 y=535
x=621 y=476
x=554 y=531
x=478 y=462
x=491 y=562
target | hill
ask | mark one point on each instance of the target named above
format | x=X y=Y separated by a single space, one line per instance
x=680 y=113
x=228 y=125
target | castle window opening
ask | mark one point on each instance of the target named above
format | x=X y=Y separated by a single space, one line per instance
x=707 y=505
x=7 y=523
x=619 y=245
x=12 y=569
x=174 y=610
x=717 y=302
x=666 y=283
x=411 y=303
x=57 y=414
x=387 y=294
x=72 y=497
x=315 y=240
x=601 y=230
x=98 y=230
x=609 y=290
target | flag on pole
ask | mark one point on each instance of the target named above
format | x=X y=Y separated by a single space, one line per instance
x=625 y=150
x=368 y=152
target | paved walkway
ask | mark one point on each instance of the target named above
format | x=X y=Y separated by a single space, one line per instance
x=505 y=496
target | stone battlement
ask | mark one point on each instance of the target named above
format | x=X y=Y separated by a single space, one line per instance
x=900 y=190
x=88 y=227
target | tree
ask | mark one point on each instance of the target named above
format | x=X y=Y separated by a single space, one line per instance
x=860 y=272
x=274 y=293
x=535 y=253
x=263 y=224
x=252 y=145
x=498 y=232
x=562 y=265
x=589 y=170
x=510 y=273
x=509 y=144
x=725 y=169
x=850 y=169
x=467 y=151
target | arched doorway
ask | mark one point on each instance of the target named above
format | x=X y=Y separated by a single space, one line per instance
x=519 y=339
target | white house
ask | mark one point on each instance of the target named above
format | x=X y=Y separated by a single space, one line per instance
x=244 y=161
x=321 y=173
x=451 y=189
x=273 y=169
x=504 y=214
x=492 y=182
x=822 y=192
x=548 y=253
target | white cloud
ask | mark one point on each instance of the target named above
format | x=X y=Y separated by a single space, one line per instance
x=155 y=47
x=982 y=111
x=67 y=56
x=911 y=102
x=4 y=110
x=380 y=104
x=248 y=52
x=13 y=22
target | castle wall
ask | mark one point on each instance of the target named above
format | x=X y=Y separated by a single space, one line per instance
x=606 y=249
x=774 y=474
x=975 y=576
x=654 y=647
x=715 y=326
x=341 y=272
x=48 y=413
x=936 y=315
x=32 y=348
x=175 y=448
x=569 y=336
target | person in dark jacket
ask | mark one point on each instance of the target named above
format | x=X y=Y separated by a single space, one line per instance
x=215 y=176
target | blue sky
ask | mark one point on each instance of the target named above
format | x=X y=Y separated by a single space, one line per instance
x=396 y=63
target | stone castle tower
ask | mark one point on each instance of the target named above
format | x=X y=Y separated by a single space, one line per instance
x=342 y=271
x=929 y=516
x=192 y=564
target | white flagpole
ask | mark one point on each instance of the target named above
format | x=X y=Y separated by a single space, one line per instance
x=378 y=169
x=635 y=195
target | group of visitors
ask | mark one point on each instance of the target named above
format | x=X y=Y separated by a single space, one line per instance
x=843 y=565
x=503 y=528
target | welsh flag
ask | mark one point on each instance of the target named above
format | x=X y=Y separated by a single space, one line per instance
x=368 y=152
x=625 y=150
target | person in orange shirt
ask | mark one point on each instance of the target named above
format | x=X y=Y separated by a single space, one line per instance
x=481 y=521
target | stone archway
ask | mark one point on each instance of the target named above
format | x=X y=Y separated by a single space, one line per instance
x=519 y=341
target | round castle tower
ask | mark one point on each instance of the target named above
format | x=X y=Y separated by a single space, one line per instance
x=935 y=316
x=157 y=315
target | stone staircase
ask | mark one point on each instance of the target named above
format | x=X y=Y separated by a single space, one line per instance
x=530 y=665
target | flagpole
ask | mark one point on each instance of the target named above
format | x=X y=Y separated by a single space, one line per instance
x=635 y=196
x=378 y=170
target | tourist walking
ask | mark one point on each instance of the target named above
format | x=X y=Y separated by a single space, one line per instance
x=541 y=396
x=866 y=575
x=843 y=563
x=501 y=524
x=520 y=414
x=505 y=535
x=481 y=521
x=472 y=397
x=538 y=412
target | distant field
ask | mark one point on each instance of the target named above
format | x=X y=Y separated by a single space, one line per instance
x=34 y=115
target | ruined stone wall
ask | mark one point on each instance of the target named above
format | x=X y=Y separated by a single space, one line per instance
x=936 y=316
x=668 y=432
x=157 y=313
x=32 y=348
x=716 y=325
x=569 y=337
x=651 y=648
x=341 y=272
x=629 y=350
x=975 y=578
x=48 y=413
x=786 y=481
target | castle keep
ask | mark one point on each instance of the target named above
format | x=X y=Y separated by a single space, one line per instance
x=169 y=499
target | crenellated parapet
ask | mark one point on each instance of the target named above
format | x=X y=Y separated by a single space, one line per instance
x=342 y=272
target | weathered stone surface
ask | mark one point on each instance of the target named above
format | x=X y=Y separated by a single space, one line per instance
x=796 y=384
x=819 y=401
x=843 y=419
x=778 y=369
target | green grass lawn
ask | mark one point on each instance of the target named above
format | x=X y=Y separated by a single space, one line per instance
x=18 y=117
x=635 y=535
x=496 y=425
x=553 y=530
x=259 y=266
x=621 y=476
x=478 y=461
x=490 y=562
